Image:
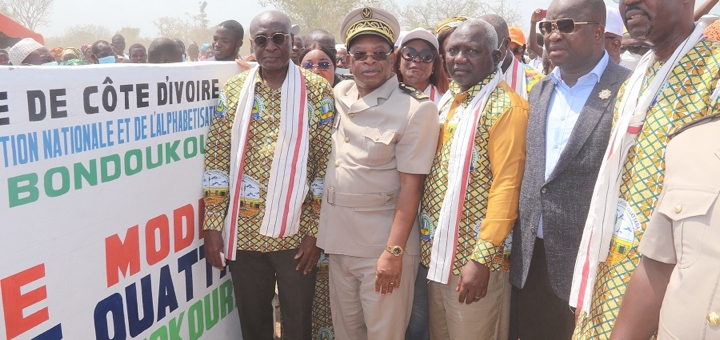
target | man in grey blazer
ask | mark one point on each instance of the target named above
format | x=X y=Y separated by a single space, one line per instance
x=571 y=112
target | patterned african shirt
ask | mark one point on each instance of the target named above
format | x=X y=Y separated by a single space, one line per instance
x=684 y=98
x=264 y=129
x=491 y=202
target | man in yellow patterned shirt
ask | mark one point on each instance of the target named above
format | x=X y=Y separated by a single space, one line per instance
x=673 y=85
x=471 y=195
x=264 y=166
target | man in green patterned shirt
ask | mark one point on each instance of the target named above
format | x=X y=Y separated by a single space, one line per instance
x=471 y=196
x=264 y=166
x=673 y=85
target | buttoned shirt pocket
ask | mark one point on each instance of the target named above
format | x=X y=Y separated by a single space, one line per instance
x=378 y=144
x=687 y=208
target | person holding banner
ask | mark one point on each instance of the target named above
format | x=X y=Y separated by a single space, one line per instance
x=673 y=85
x=470 y=200
x=265 y=161
x=383 y=141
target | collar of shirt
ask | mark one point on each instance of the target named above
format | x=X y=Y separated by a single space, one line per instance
x=589 y=79
x=471 y=92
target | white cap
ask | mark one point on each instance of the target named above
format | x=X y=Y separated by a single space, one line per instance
x=295 y=29
x=422 y=34
x=613 y=21
x=22 y=50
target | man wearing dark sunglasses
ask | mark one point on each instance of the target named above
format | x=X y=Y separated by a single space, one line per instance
x=674 y=84
x=265 y=161
x=384 y=137
x=570 y=120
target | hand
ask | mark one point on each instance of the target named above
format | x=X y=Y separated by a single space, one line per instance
x=535 y=16
x=577 y=315
x=387 y=273
x=473 y=282
x=308 y=254
x=213 y=248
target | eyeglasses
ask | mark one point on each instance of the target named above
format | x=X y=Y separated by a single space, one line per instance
x=322 y=66
x=378 y=56
x=277 y=39
x=426 y=56
x=562 y=25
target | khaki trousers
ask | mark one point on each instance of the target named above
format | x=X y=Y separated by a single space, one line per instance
x=358 y=312
x=487 y=319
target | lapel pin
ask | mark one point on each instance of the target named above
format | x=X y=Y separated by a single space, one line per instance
x=604 y=94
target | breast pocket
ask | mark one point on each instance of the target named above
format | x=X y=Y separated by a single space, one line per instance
x=379 y=145
x=688 y=209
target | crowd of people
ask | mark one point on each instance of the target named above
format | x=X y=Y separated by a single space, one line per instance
x=464 y=181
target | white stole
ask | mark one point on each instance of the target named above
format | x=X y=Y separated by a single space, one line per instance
x=287 y=185
x=445 y=237
x=601 y=221
x=516 y=78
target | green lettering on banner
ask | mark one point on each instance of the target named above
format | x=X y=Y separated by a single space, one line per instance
x=176 y=326
x=89 y=174
x=20 y=193
x=159 y=334
x=64 y=181
x=137 y=154
x=212 y=309
x=105 y=168
x=227 y=303
x=195 y=320
x=187 y=150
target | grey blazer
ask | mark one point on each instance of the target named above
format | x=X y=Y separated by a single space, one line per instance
x=564 y=198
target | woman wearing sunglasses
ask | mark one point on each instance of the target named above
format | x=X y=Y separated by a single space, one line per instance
x=319 y=60
x=418 y=64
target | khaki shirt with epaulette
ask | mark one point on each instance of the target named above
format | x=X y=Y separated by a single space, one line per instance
x=391 y=130
x=685 y=231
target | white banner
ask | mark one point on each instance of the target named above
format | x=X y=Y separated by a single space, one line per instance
x=100 y=203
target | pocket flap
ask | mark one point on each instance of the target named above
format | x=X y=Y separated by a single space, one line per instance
x=379 y=135
x=684 y=202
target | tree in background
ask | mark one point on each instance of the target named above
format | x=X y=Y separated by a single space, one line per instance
x=196 y=29
x=310 y=14
x=79 y=35
x=31 y=13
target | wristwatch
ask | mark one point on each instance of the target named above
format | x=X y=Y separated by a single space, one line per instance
x=395 y=250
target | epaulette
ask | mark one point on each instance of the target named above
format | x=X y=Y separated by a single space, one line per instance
x=413 y=92
x=700 y=121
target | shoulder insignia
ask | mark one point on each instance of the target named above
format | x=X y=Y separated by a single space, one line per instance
x=413 y=92
x=696 y=122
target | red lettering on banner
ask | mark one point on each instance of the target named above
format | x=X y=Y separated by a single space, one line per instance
x=14 y=301
x=161 y=225
x=185 y=213
x=122 y=256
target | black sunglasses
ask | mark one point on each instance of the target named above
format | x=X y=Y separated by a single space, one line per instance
x=323 y=65
x=378 y=56
x=565 y=25
x=277 y=39
x=426 y=56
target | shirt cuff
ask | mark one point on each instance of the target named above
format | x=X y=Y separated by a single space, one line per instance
x=213 y=221
x=484 y=253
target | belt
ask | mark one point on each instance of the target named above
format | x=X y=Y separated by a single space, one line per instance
x=360 y=200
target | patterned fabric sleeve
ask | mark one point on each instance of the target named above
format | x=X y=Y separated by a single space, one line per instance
x=322 y=107
x=217 y=156
x=506 y=151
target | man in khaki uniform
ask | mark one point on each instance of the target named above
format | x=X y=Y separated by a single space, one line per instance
x=384 y=139
x=674 y=289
